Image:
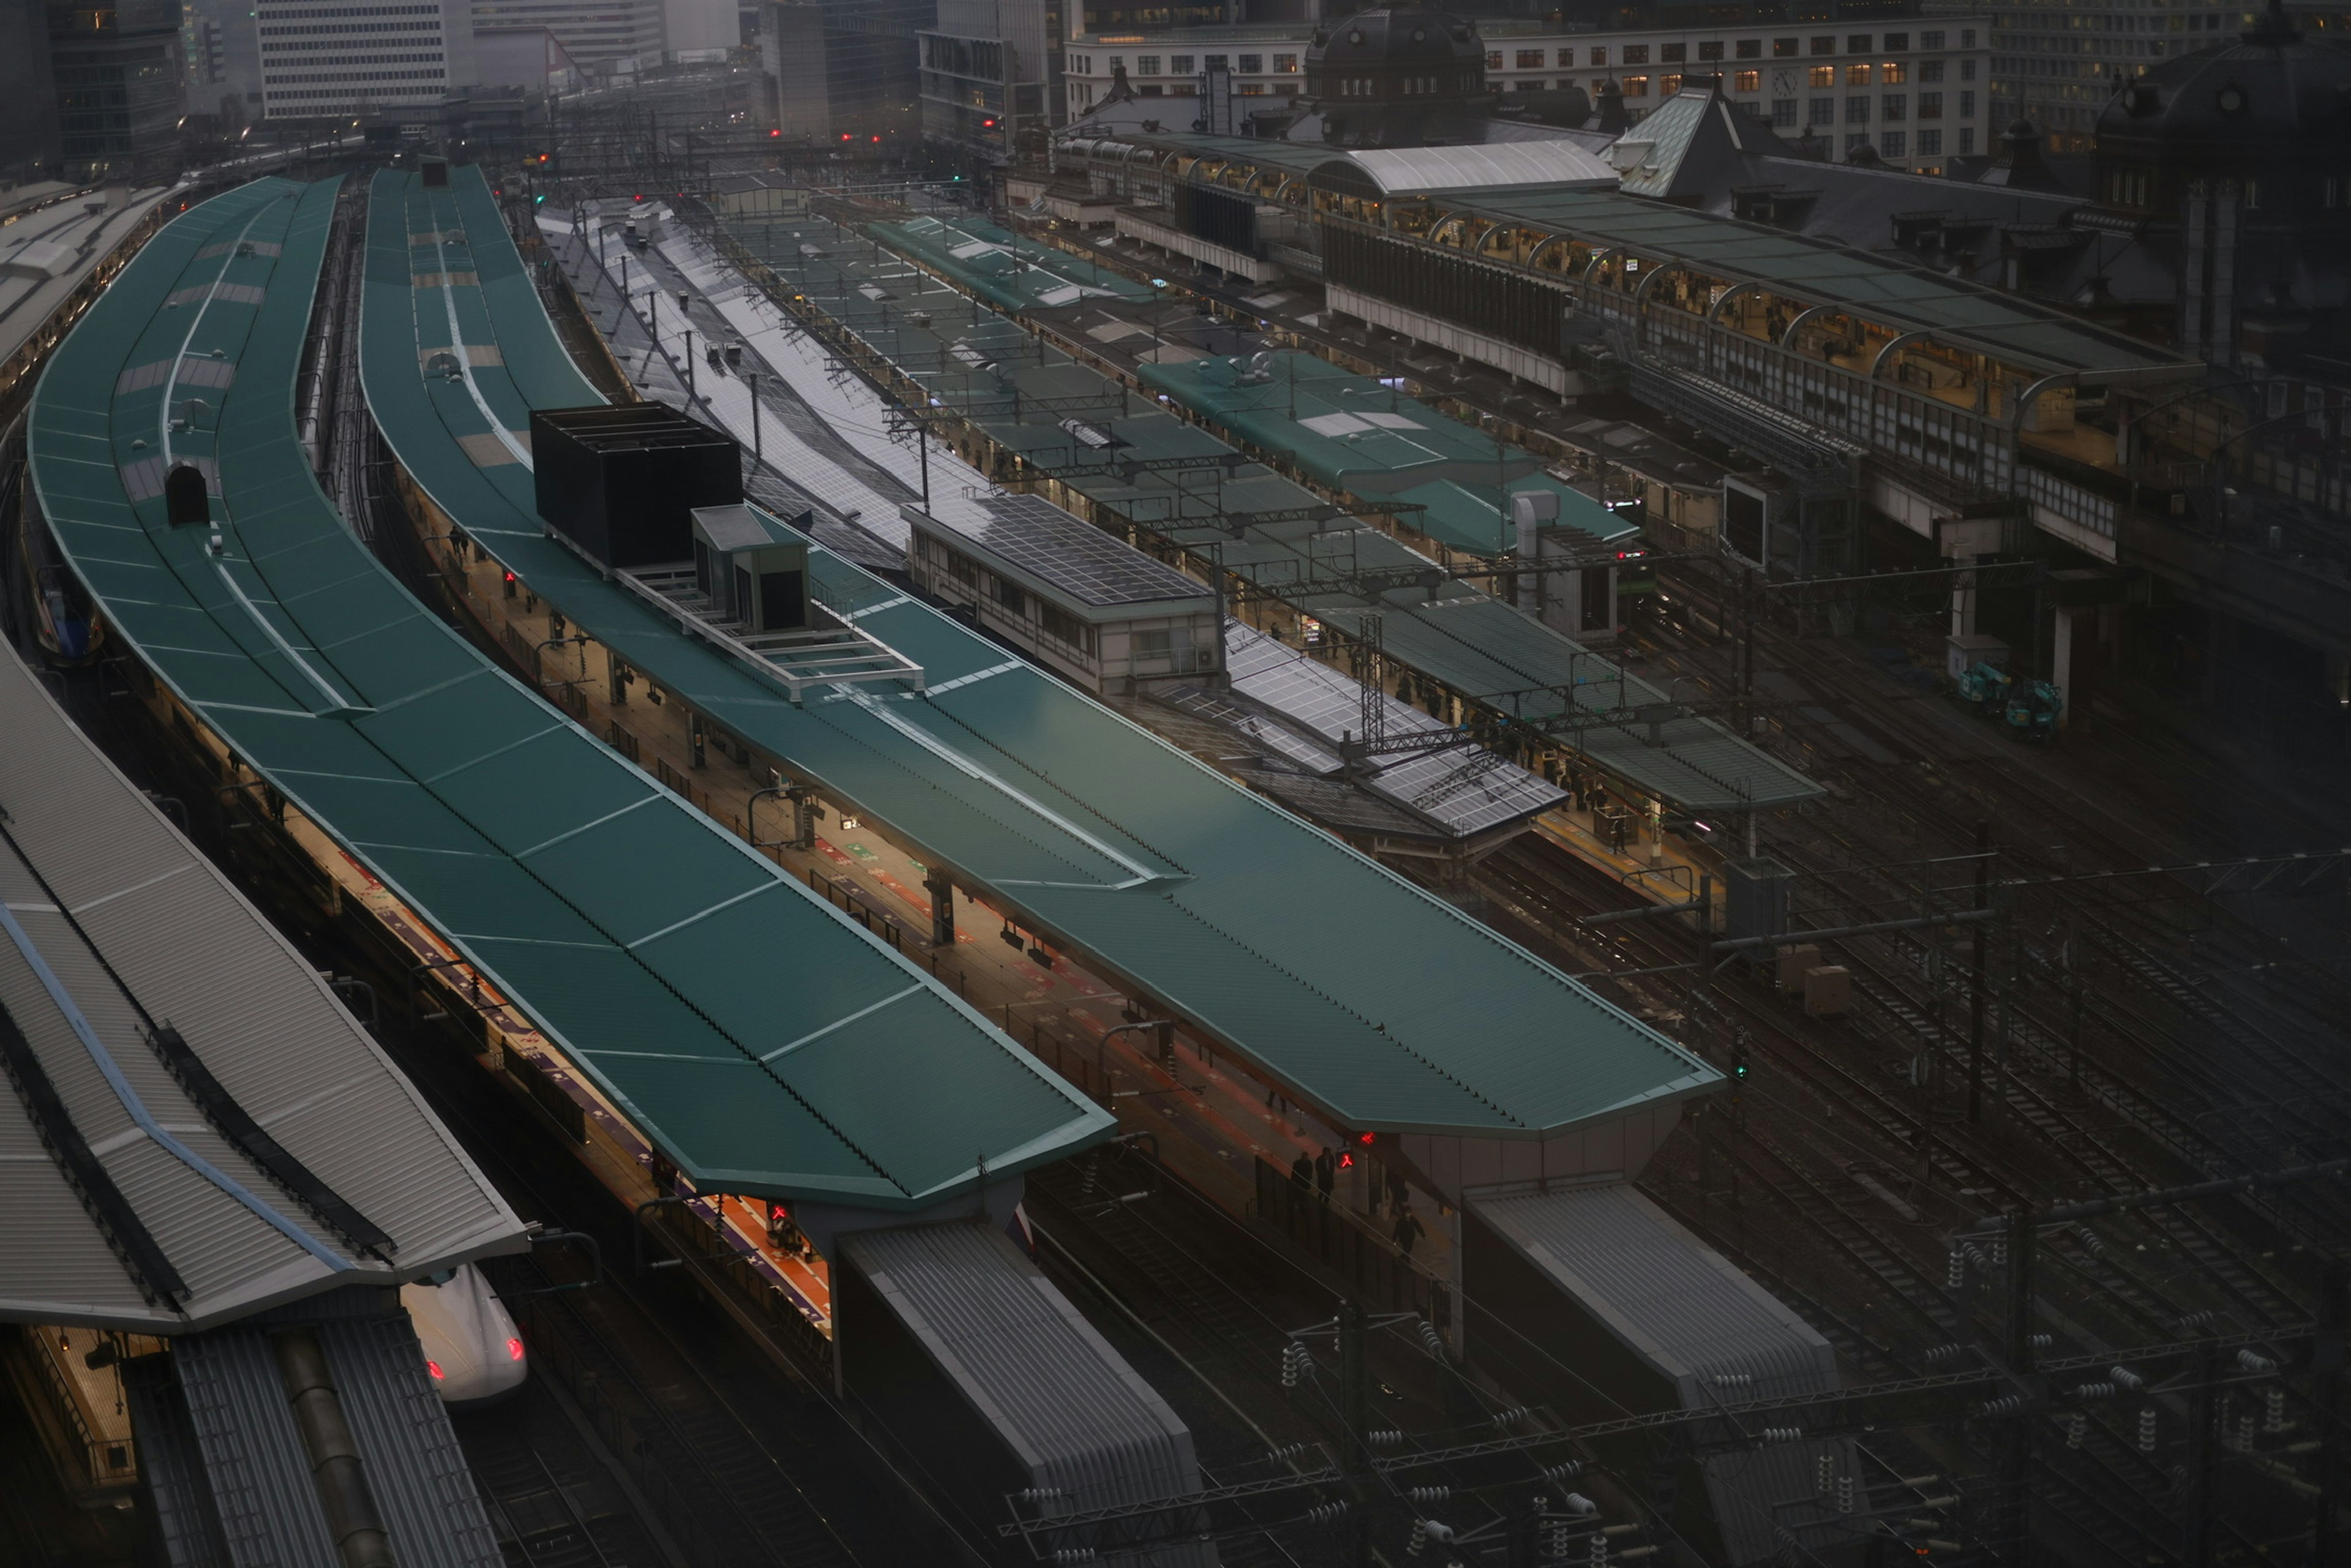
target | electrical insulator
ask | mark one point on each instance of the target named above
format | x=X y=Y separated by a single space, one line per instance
x=2146 y=1430
x=1512 y=1417
x=1040 y=1494
x=2125 y=1377
x=2077 y=1426
x=1734 y=1380
x=2195 y=1320
x=2006 y=1405
x=1289 y=1451
x=2042 y=1340
x=2095 y=1391
x=2245 y=1433
x=1426 y=1495
x=1844 y=1492
x=1419 y=1541
x=1431 y=1339
x=1074 y=1554
x=1295 y=1360
x=1599 y=1551
x=1561 y=1472
x=2254 y=1361
x=1385 y=1437
x=1956 y=1275
x=1939 y=1354
x=2274 y=1420
x=1327 y=1512
x=1824 y=1473
x=1783 y=1434
x=2093 y=1243
x=1576 y=1503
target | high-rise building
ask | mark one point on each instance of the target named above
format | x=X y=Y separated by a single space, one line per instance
x=596 y=34
x=120 y=71
x=28 y=96
x=323 y=59
x=224 y=59
x=990 y=69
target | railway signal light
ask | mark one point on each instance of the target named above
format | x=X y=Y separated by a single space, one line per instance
x=1739 y=1062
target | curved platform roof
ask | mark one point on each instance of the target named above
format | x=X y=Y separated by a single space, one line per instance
x=758 y=1036
x=1381 y=1006
x=291 y=1158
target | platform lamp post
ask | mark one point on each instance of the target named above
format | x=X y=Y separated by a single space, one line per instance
x=752 y=378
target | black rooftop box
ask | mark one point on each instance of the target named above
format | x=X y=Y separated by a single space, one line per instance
x=621 y=481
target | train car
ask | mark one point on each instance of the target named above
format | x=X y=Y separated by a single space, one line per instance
x=68 y=627
x=471 y=1348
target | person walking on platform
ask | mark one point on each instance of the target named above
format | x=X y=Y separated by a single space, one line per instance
x=1301 y=1182
x=1407 y=1229
x=1398 y=1194
x=1326 y=1174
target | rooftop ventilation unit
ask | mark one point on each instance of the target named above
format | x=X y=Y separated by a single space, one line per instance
x=621 y=483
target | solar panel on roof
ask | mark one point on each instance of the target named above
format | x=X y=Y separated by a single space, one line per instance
x=1074 y=558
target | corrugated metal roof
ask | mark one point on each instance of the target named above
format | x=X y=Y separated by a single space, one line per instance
x=423 y=1486
x=254 y=1461
x=132 y=897
x=257 y=1471
x=171 y=1467
x=667 y=959
x=1409 y=171
x=1389 y=1007
x=1073 y=1412
x=1687 y=1312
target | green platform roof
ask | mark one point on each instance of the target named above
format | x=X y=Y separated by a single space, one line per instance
x=1010 y=273
x=762 y=1040
x=1355 y=433
x=1384 y=1008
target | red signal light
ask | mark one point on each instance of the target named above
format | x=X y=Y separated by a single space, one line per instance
x=513 y=1350
x=776 y=132
x=987 y=124
x=1365 y=1138
x=510 y=577
x=845 y=136
x=434 y=1368
x=877 y=139
x=1347 y=1160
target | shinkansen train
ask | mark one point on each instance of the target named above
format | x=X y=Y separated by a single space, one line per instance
x=471 y=1348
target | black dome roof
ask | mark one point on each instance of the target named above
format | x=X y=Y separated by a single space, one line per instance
x=2269 y=92
x=1394 y=36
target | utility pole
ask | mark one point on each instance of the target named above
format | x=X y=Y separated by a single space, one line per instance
x=1354 y=1452
x=1976 y=976
x=2326 y=1399
x=2014 y=1499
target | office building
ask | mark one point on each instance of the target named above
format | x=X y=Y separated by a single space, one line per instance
x=117 y=69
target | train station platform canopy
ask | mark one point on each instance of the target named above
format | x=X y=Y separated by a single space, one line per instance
x=199 y=1130
x=1010 y=273
x=1145 y=464
x=1355 y=433
x=1902 y=295
x=1385 y=1008
x=758 y=1038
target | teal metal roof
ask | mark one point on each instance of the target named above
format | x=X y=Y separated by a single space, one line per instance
x=1353 y=433
x=1010 y=274
x=759 y=1038
x=1388 y=1008
x=1017 y=390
